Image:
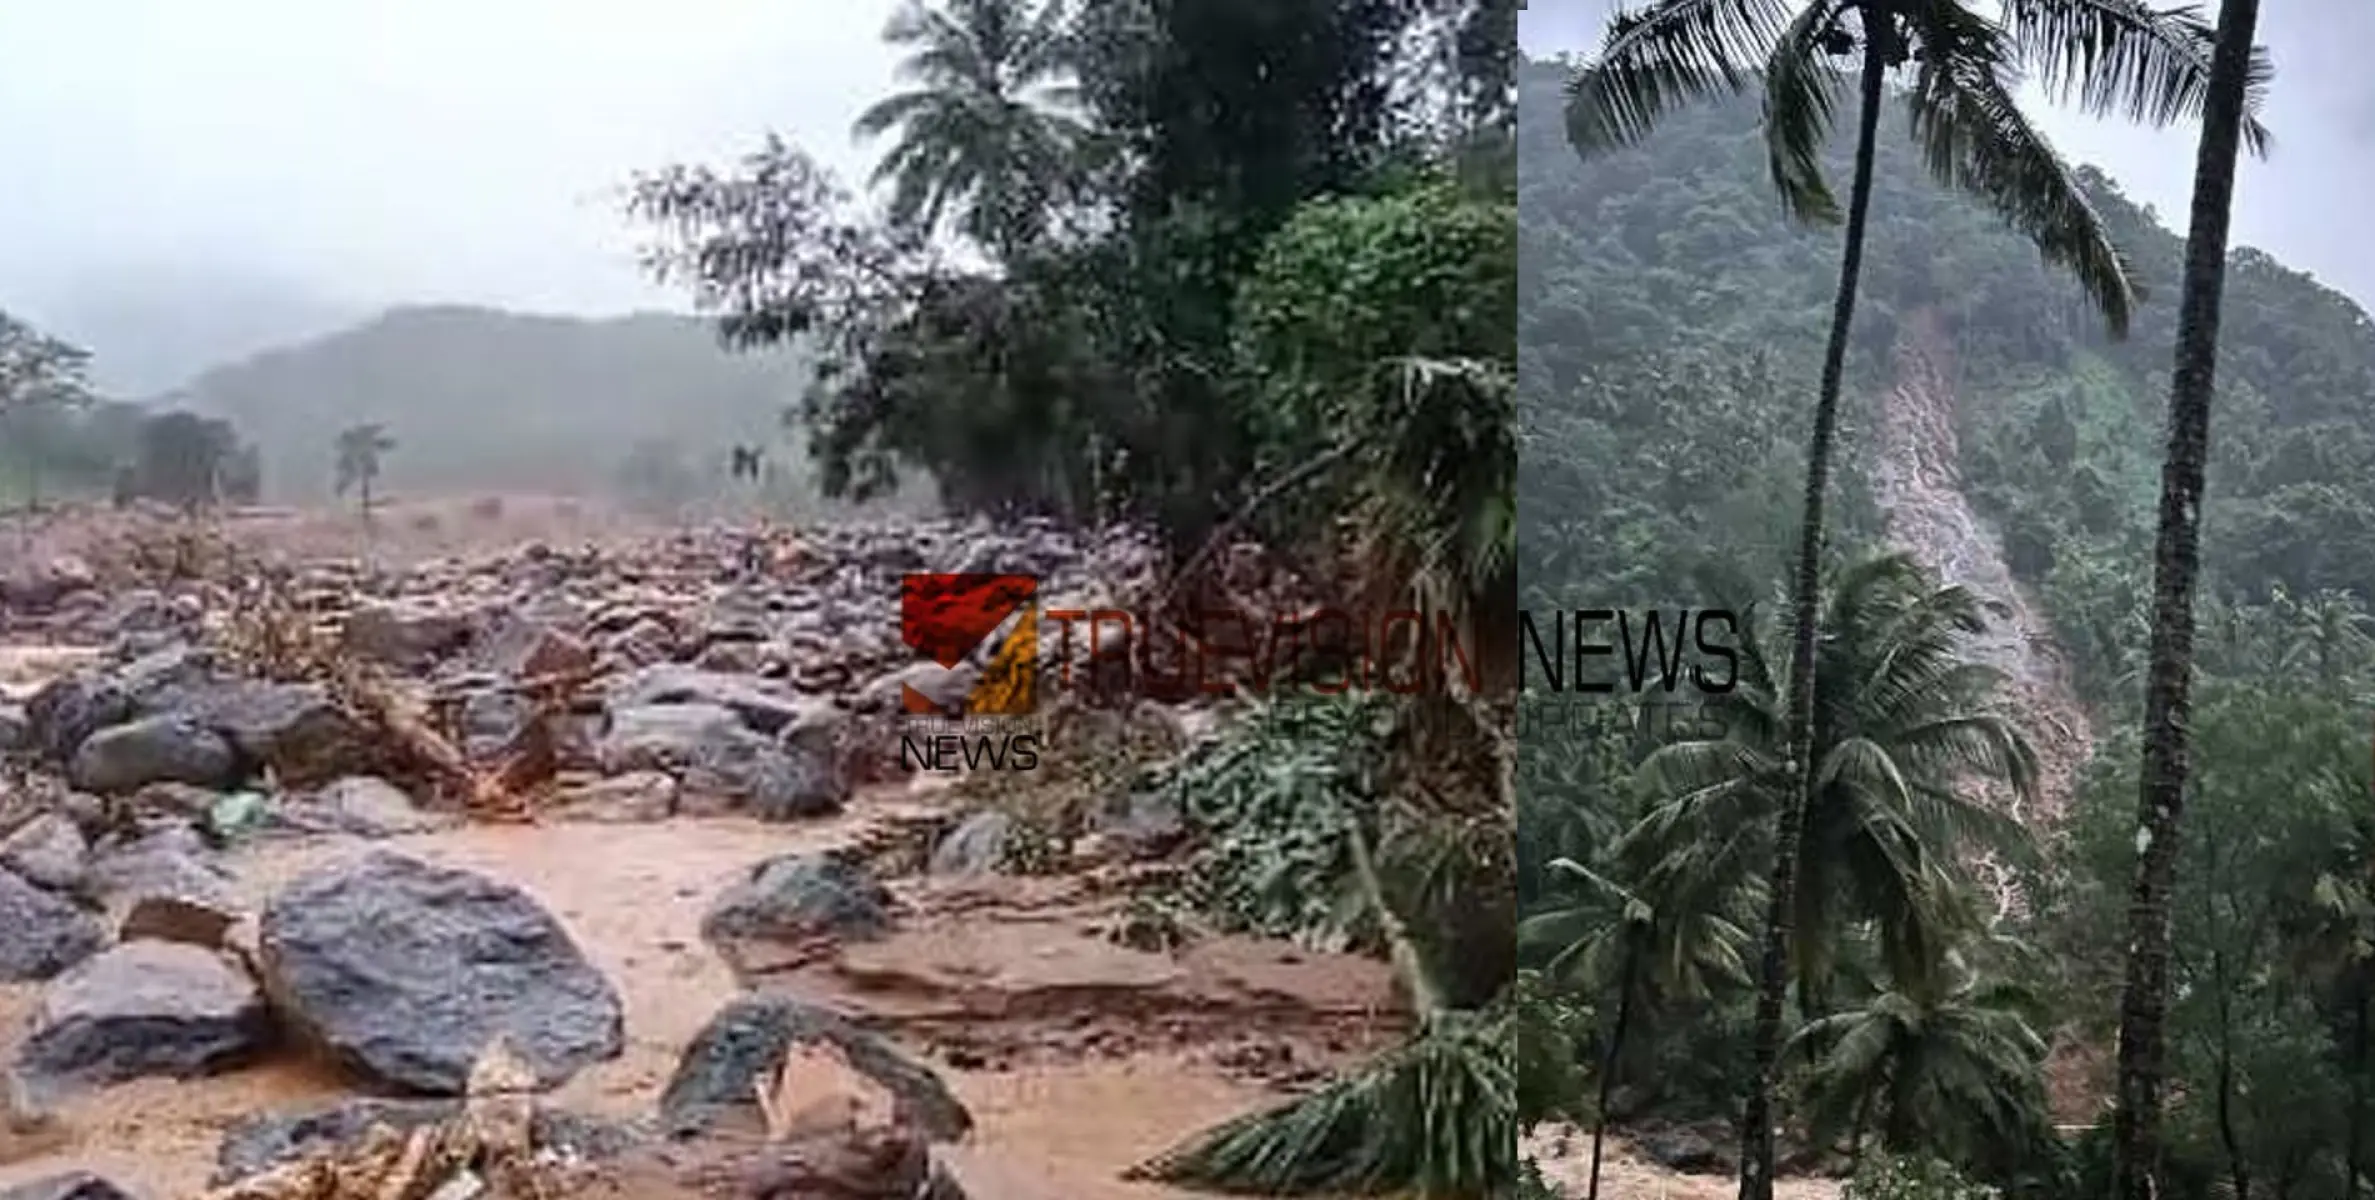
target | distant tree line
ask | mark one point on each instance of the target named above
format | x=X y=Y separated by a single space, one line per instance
x=60 y=440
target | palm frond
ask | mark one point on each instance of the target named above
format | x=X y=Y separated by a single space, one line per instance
x=1674 y=53
x=2126 y=56
x=1435 y=1119
x=1800 y=94
x=1974 y=138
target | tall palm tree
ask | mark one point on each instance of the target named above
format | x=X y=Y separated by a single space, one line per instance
x=2237 y=74
x=988 y=127
x=1904 y=724
x=2109 y=54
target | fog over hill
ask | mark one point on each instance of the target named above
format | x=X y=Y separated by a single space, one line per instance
x=479 y=399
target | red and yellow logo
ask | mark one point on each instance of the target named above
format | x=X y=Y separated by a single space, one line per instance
x=943 y=617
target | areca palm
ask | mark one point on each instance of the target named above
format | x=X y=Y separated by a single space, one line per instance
x=988 y=127
x=2110 y=55
x=1903 y=726
x=2236 y=76
x=1944 y=1065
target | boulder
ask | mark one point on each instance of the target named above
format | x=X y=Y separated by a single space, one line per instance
x=977 y=846
x=762 y=708
x=162 y=749
x=798 y=898
x=750 y=1039
x=42 y=934
x=408 y=970
x=49 y=851
x=144 y=1008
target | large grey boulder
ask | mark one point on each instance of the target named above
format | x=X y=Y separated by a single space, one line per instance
x=408 y=971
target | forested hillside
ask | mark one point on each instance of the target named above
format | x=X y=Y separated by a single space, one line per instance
x=1671 y=322
x=477 y=399
x=1673 y=316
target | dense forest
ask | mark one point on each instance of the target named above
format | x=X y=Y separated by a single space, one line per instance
x=1952 y=1025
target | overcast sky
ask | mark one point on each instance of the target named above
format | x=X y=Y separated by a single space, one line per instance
x=386 y=150
x=442 y=150
x=2306 y=204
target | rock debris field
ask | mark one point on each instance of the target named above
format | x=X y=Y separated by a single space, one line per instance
x=580 y=871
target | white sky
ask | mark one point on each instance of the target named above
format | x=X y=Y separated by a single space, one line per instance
x=380 y=151
x=400 y=150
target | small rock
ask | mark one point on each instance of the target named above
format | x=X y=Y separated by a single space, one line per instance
x=67 y=710
x=48 y=850
x=526 y=648
x=145 y=1008
x=362 y=805
x=122 y=758
x=42 y=934
x=749 y=1041
x=16 y=729
x=405 y=634
x=797 y=897
x=975 y=847
x=73 y=1185
x=634 y=798
x=762 y=708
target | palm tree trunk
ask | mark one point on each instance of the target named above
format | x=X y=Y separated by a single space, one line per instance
x=1756 y=1121
x=2144 y=999
x=2355 y=1159
x=1616 y=1043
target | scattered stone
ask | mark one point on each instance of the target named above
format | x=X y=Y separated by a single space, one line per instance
x=634 y=798
x=523 y=647
x=16 y=729
x=69 y=709
x=361 y=805
x=261 y=1142
x=122 y=758
x=42 y=934
x=145 y=1008
x=762 y=708
x=171 y=860
x=296 y=729
x=799 y=898
x=404 y=633
x=749 y=1041
x=977 y=846
x=73 y=1185
x=49 y=851
x=407 y=970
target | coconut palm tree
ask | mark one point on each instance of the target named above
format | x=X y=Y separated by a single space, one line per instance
x=360 y=448
x=988 y=127
x=2237 y=74
x=1947 y=1065
x=2108 y=54
x=1904 y=727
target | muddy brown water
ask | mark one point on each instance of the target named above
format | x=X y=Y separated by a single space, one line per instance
x=633 y=896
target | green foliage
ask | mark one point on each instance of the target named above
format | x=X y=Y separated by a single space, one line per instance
x=1270 y=800
x=1434 y=1120
x=1895 y=1177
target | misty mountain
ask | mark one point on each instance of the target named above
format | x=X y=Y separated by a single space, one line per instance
x=479 y=399
x=152 y=327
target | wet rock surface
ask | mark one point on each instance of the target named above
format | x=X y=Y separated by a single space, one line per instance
x=145 y=1008
x=408 y=970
